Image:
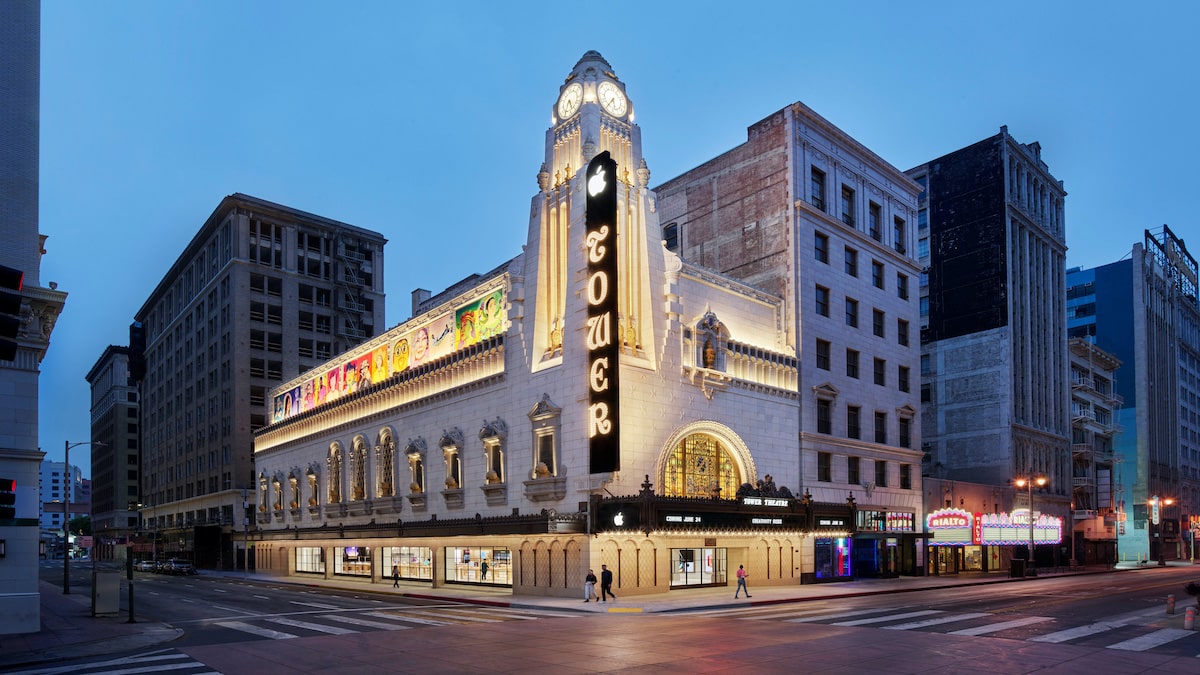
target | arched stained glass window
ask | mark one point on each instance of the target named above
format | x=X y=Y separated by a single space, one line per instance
x=700 y=467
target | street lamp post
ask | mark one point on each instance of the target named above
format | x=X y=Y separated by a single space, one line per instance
x=1028 y=482
x=70 y=485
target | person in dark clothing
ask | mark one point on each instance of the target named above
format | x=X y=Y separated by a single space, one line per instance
x=606 y=580
x=483 y=568
x=395 y=576
x=589 y=587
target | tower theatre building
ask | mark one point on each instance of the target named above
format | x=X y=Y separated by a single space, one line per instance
x=595 y=400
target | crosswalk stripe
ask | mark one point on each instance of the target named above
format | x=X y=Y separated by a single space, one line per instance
x=1155 y=639
x=255 y=630
x=318 y=605
x=398 y=616
x=835 y=615
x=154 y=669
x=320 y=628
x=154 y=657
x=1076 y=632
x=1004 y=625
x=354 y=620
x=889 y=617
x=937 y=621
x=457 y=616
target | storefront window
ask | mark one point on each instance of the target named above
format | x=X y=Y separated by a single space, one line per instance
x=472 y=565
x=310 y=559
x=698 y=567
x=414 y=562
x=833 y=558
x=352 y=560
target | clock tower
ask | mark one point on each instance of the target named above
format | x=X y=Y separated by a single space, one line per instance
x=591 y=115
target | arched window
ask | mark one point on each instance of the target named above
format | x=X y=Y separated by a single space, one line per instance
x=358 y=464
x=335 y=473
x=701 y=467
x=386 y=458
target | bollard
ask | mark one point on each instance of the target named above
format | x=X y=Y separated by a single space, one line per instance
x=1171 y=604
x=1189 y=619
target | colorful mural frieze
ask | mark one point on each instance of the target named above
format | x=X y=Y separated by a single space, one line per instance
x=438 y=336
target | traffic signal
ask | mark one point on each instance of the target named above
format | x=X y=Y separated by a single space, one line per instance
x=8 y=499
x=11 y=281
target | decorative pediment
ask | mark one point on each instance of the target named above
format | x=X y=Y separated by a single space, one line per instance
x=544 y=408
x=906 y=410
x=415 y=448
x=826 y=391
x=450 y=439
x=495 y=429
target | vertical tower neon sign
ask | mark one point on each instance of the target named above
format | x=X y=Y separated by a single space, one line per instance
x=603 y=351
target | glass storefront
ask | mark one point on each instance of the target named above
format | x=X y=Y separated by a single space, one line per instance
x=833 y=558
x=352 y=560
x=310 y=559
x=698 y=567
x=478 y=565
x=415 y=563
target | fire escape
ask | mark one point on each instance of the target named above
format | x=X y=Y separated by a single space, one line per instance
x=353 y=275
x=1094 y=405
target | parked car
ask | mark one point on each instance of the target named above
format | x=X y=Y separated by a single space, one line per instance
x=145 y=566
x=180 y=567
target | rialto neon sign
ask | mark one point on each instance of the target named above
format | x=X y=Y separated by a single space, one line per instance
x=603 y=351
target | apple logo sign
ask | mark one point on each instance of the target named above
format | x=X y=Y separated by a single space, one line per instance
x=596 y=183
x=619 y=520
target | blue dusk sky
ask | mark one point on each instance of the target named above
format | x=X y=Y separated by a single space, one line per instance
x=426 y=121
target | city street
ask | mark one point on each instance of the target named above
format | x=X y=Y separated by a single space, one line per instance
x=1095 y=623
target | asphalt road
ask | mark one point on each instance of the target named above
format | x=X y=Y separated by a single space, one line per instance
x=1112 y=623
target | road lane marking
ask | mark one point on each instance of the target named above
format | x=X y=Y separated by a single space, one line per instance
x=1004 y=625
x=255 y=630
x=320 y=628
x=1151 y=640
x=262 y=597
x=889 y=617
x=937 y=621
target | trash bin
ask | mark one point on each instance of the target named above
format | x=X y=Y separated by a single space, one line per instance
x=1017 y=569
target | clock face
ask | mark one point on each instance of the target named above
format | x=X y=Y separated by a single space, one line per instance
x=612 y=99
x=569 y=102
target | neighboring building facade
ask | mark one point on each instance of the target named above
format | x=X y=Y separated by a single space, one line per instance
x=1095 y=407
x=1144 y=311
x=804 y=211
x=55 y=484
x=262 y=293
x=20 y=457
x=115 y=447
x=995 y=393
x=518 y=430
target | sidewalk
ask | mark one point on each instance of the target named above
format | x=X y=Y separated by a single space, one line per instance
x=69 y=630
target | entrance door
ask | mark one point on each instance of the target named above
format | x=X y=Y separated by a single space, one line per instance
x=698 y=567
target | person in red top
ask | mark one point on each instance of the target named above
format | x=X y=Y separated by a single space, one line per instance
x=741 y=576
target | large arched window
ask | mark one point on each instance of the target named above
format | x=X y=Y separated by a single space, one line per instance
x=699 y=466
x=334 y=462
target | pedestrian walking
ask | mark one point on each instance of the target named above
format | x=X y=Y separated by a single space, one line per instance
x=606 y=584
x=395 y=576
x=741 y=575
x=483 y=568
x=589 y=587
